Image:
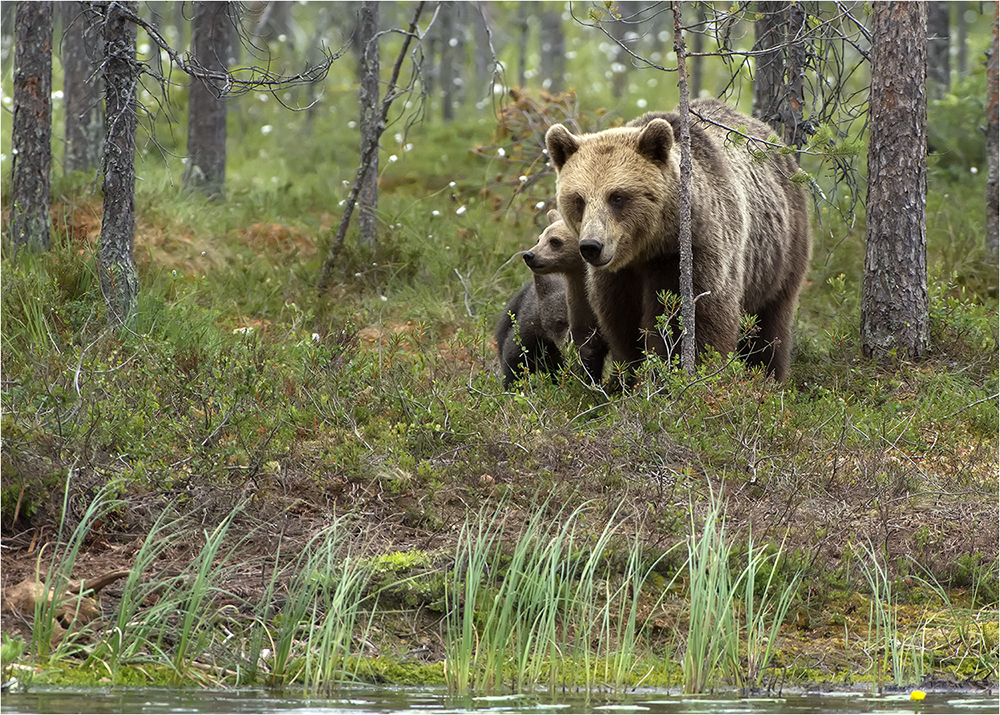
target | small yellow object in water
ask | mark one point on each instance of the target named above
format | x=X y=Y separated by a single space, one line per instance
x=918 y=695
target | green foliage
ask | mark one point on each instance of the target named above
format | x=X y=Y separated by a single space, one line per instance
x=956 y=146
x=11 y=650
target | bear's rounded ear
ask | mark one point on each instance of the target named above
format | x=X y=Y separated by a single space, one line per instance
x=655 y=141
x=561 y=145
x=554 y=216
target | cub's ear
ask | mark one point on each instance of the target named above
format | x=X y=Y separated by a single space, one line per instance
x=561 y=145
x=655 y=141
x=554 y=216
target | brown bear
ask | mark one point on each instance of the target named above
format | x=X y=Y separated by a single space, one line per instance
x=618 y=191
x=557 y=252
x=532 y=328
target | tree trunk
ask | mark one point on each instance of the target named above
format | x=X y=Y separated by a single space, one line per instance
x=553 y=51
x=482 y=57
x=962 y=39
x=768 y=81
x=459 y=43
x=211 y=45
x=31 y=133
x=274 y=23
x=793 y=101
x=116 y=268
x=522 y=52
x=688 y=346
x=697 y=63
x=314 y=56
x=620 y=66
x=894 y=303
x=81 y=90
x=447 y=69
x=367 y=152
x=180 y=20
x=368 y=99
x=992 y=158
x=6 y=21
x=938 y=62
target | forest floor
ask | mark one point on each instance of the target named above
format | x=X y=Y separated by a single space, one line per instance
x=827 y=641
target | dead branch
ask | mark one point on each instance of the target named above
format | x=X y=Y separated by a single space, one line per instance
x=391 y=93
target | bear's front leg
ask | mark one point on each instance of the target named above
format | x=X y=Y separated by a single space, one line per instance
x=617 y=301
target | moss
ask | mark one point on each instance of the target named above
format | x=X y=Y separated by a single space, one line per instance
x=388 y=671
x=406 y=579
x=95 y=674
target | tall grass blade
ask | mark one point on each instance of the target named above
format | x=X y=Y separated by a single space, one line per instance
x=761 y=636
x=713 y=637
x=45 y=628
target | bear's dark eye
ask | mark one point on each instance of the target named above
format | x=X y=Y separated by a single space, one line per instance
x=617 y=201
x=578 y=204
x=556 y=243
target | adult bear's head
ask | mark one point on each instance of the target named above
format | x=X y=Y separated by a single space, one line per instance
x=617 y=190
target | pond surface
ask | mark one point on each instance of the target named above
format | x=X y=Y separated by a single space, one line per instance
x=435 y=702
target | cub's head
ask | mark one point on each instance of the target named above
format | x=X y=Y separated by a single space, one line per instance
x=617 y=190
x=557 y=250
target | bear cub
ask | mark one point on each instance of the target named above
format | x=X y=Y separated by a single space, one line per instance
x=558 y=253
x=533 y=327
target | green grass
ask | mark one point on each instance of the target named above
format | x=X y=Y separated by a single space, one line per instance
x=711 y=652
x=554 y=610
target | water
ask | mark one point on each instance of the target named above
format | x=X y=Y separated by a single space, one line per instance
x=436 y=702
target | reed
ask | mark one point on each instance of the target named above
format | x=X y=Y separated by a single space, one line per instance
x=621 y=651
x=557 y=609
x=890 y=648
x=316 y=631
x=132 y=635
x=583 y=623
x=975 y=645
x=474 y=552
x=712 y=648
x=763 y=616
x=57 y=577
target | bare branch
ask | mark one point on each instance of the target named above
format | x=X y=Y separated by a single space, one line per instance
x=234 y=82
x=369 y=153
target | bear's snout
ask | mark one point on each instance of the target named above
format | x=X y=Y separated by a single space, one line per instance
x=529 y=257
x=590 y=249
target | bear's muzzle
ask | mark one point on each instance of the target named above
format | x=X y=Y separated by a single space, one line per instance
x=592 y=250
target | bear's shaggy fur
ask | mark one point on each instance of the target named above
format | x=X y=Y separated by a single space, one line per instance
x=618 y=191
x=557 y=253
